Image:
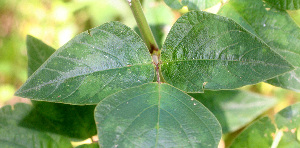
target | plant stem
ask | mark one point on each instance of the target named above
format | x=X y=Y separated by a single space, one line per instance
x=147 y=35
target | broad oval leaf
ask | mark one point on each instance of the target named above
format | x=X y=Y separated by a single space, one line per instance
x=191 y=4
x=91 y=66
x=155 y=115
x=234 y=108
x=274 y=27
x=285 y=4
x=13 y=135
x=289 y=117
x=211 y=51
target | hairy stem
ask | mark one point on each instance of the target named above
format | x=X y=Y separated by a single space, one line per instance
x=147 y=35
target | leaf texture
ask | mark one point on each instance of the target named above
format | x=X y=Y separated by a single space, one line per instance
x=155 y=115
x=91 y=66
x=276 y=28
x=285 y=4
x=204 y=50
x=191 y=4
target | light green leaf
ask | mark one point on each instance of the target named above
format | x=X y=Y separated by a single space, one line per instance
x=91 y=66
x=93 y=145
x=258 y=134
x=155 y=115
x=274 y=27
x=288 y=117
x=234 y=108
x=12 y=135
x=262 y=133
x=285 y=4
x=204 y=50
x=191 y=4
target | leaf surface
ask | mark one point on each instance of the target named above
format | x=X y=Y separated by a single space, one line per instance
x=234 y=108
x=155 y=115
x=91 y=66
x=285 y=4
x=191 y=4
x=263 y=133
x=204 y=50
x=14 y=135
x=274 y=27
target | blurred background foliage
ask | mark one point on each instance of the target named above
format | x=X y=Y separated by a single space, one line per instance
x=56 y=21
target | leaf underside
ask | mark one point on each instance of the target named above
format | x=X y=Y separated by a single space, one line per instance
x=203 y=50
x=274 y=27
x=155 y=115
x=91 y=66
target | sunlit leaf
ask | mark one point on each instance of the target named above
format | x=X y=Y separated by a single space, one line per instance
x=155 y=115
x=274 y=27
x=91 y=66
x=191 y=4
x=285 y=4
x=12 y=135
x=234 y=108
x=204 y=50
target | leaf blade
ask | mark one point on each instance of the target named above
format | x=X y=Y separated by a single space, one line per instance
x=227 y=57
x=191 y=4
x=91 y=66
x=151 y=116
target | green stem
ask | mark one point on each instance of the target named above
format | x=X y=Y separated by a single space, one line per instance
x=147 y=36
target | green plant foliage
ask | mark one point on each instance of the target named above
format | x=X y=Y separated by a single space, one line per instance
x=12 y=135
x=234 y=108
x=191 y=4
x=72 y=121
x=285 y=4
x=206 y=50
x=93 y=145
x=155 y=115
x=274 y=27
x=91 y=66
x=262 y=133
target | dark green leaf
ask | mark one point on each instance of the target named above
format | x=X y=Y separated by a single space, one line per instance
x=285 y=4
x=155 y=115
x=37 y=52
x=257 y=135
x=274 y=27
x=191 y=4
x=70 y=120
x=13 y=135
x=91 y=66
x=207 y=50
x=234 y=108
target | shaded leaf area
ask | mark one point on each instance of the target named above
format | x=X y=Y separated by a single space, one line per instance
x=191 y=4
x=285 y=4
x=276 y=28
x=69 y=120
x=263 y=133
x=14 y=135
x=93 y=145
x=91 y=66
x=204 y=50
x=155 y=115
x=234 y=108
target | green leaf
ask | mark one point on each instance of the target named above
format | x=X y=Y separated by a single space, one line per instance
x=155 y=115
x=13 y=135
x=207 y=50
x=57 y=118
x=262 y=133
x=234 y=108
x=288 y=117
x=93 y=145
x=37 y=52
x=258 y=134
x=191 y=4
x=285 y=4
x=274 y=27
x=91 y=66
